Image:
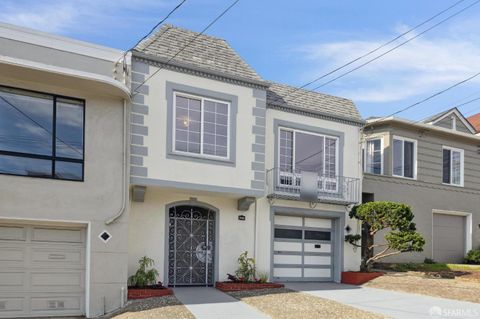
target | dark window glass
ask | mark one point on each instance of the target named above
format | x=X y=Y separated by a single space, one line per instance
x=317 y=235
x=288 y=233
x=446 y=166
x=408 y=159
x=309 y=152
x=397 y=157
x=29 y=125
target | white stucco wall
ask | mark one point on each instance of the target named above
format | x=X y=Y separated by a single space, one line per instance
x=187 y=171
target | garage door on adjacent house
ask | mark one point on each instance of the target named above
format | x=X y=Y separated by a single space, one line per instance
x=42 y=271
x=302 y=249
x=449 y=238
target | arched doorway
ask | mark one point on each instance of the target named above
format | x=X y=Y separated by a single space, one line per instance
x=191 y=244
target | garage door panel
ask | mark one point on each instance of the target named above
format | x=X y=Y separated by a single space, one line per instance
x=287 y=272
x=57 y=303
x=313 y=247
x=12 y=280
x=57 y=235
x=13 y=233
x=12 y=306
x=11 y=256
x=288 y=220
x=317 y=272
x=287 y=246
x=448 y=238
x=287 y=259
x=318 y=223
x=317 y=260
x=56 y=281
x=57 y=258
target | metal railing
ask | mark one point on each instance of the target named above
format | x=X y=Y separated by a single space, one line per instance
x=287 y=184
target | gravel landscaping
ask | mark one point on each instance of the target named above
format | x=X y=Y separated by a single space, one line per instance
x=465 y=286
x=288 y=304
x=167 y=307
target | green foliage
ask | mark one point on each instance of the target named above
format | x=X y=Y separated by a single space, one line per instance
x=246 y=268
x=429 y=261
x=473 y=257
x=263 y=278
x=397 y=219
x=144 y=276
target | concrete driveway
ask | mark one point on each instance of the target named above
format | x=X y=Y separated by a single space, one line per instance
x=390 y=303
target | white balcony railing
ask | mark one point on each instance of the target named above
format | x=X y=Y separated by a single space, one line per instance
x=287 y=184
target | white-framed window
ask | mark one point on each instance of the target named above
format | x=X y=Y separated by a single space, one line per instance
x=373 y=156
x=307 y=151
x=404 y=157
x=453 y=166
x=201 y=126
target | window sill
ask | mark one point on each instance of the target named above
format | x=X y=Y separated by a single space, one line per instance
x=403 y=177
x=200 y=158
x=453 y=185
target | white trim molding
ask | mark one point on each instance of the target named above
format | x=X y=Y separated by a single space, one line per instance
x=462 y=165
x=415 y=151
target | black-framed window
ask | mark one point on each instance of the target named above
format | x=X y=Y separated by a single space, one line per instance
x=41 y=135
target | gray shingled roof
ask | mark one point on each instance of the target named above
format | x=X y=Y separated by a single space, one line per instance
x=206 y=52
x=289 y=96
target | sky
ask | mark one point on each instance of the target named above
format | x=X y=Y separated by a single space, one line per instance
x=294 y=42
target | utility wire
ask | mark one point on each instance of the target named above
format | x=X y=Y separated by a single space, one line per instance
x=152 y=30
x=135 y=92
x=396 y=47
x=39 y=125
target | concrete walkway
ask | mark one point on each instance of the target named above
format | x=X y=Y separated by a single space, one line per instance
x=390 y=303
x=210 y=303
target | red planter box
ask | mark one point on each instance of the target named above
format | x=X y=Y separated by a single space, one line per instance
x=142 y=293
x=238 y=286
x=358 y=278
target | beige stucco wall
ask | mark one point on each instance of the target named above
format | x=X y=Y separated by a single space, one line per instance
x=90 y=202
x=239 y=176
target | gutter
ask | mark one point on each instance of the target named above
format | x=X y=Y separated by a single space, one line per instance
x=124 y=169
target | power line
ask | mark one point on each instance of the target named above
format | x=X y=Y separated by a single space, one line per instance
x=374 y=50
x=153 y=29
x=396 y=47
x=134 y=92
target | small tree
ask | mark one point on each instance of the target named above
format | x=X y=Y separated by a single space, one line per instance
x=144 y=277
x=401 y=235
x=246 y=268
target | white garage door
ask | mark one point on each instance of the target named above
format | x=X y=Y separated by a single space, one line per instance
x=302 y=249
x=42 y=271
x=448 y=238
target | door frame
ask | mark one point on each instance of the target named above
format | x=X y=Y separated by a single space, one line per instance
x=468 y=227
x=196 y=203
x=338 y=220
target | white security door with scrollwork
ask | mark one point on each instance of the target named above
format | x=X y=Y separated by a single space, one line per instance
x=191 y=246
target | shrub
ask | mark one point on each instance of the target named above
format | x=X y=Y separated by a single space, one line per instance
x=400 y=236
x=473 y=257
x=429 y=261
x=144 y=277
x=246 y=268
x=262 y=278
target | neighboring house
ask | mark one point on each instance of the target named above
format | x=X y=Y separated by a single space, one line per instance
x=224 y=162
x=62 y=176
x=433 y=166
x=474 y=120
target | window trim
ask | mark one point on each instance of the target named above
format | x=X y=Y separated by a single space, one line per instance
x=52 y=158
x=382 y=160
x=415 y=150
x=462 y=165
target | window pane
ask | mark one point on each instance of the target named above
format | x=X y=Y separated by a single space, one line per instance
x=26 y=122
x=330 y=157
x=408 y=159
x=286 y=149
x=317 y=235
x=456 y=168
x=67 y=170
x=25 y=166
x=446 y=166
x=187 y=125
x=69 y=141
x=288 y=233
x=309 y=152
x=397 y=157
x=374 y=157
x=215 y=129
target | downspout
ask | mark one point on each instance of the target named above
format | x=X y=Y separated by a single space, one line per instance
x=255 y=231
x=124 y=168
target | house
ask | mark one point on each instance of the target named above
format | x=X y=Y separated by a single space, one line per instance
x=433 y=166
x=224 y=162
x=474 y=120
x=62 y=175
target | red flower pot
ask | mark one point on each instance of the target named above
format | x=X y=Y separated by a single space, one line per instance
x=358 y=278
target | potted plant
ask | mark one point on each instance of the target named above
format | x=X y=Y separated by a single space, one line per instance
x=143 y=284
x=246 y=278
x=396 y=220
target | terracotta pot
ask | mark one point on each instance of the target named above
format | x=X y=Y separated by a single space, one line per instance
x=358 y=278
x=142 y=293
x=238 y=286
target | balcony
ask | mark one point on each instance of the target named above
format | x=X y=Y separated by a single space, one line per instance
x=313 y=187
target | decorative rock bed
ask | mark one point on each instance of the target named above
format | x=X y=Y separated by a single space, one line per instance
x=227 y=286
x=149 y=292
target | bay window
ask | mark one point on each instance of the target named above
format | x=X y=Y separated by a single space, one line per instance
x=305 y=151
x=41 y=135
x=452 y=166
x=373 y=156
x=404 y=157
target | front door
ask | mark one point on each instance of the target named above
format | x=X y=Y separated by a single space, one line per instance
x=191 y=246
